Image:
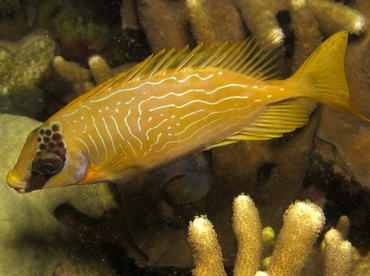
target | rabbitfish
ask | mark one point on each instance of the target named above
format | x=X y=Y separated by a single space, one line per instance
x=176 y=103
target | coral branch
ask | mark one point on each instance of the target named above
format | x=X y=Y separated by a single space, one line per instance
x=303 y=222
x=207 y=251
x=338 y=254
x=248 y=232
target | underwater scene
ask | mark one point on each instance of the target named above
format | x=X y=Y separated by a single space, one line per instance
x=185 y=137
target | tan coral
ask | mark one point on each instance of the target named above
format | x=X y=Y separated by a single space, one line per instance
x=302 y=223
x=165 y=22
x=248 y=229
x=337 y=254
x=207 y=251
x=73 y=73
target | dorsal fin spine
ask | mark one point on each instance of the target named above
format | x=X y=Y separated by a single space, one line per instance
x=189 y=57
x=161 y=63
x=242 y=57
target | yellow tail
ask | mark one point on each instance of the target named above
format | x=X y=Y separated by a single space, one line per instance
x=323 y=75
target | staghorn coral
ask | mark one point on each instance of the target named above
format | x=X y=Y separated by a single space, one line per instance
x=207 y=251
x=303 y=221
x=213 y=21
x=248 y=229
x=337 y=254
x=84 y=79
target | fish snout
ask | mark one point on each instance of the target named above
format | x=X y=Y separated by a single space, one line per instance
x=15 y=183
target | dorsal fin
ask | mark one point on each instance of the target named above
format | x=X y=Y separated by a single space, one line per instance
x=243 y=57
x=279 y=118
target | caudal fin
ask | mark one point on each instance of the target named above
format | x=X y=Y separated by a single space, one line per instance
x=323 y=75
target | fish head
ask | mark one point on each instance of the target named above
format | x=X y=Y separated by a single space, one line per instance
x=46 y=161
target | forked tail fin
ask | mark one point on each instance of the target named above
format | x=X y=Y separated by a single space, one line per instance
x=323 y=77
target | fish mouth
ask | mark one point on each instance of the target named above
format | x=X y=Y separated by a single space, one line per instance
x=20 y=190
x=15 y=183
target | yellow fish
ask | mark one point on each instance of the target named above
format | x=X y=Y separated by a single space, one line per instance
x=176 y=103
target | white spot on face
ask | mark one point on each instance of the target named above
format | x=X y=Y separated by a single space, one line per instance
x=257 y=100
x=255 y=86
x=107 y=108
x=282 y=89
x=119 y=102
x=220 y=73
x=116 y=110
x=269 y=96
x=75 y=121
x=82 y=117
x=100 y=111
x=173 y=116
x=150 y=118
x=161 y=114
x=177 y=124
x=169 y=128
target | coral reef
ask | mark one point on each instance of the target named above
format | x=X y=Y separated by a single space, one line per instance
x=325 y=162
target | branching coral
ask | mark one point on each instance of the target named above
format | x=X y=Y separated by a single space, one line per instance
x=207 y=251
x=338 y=254
x=213 y=21
x=82 y=78
x=248 y=229
x=303 y=222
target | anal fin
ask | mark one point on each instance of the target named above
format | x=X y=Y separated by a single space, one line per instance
x=279 y=118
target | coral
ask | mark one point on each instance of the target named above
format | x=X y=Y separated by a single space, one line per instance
x=211 y=22
x=81 y=78
x=23 y=65
x=274 y=172
x=73 y=73
x=337 y=254
x=207 y=251
x=303 y=222
x=362 y=267
x=248 y=229
x=32 y=240
x=347 y=135
x=77 y=38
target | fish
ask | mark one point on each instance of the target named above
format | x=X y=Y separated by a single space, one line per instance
x=184 y=180
x=176 y=103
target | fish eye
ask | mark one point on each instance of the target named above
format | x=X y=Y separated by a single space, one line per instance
x=48 y=164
